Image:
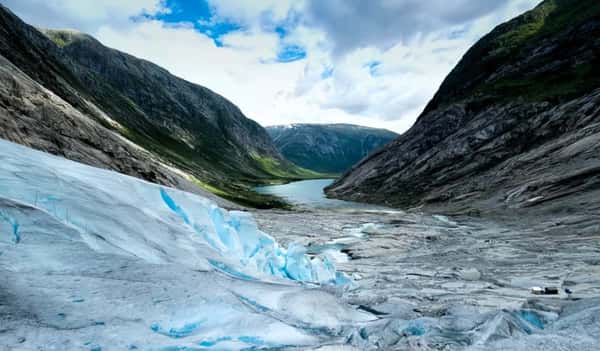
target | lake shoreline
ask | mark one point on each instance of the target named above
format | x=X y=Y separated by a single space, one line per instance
x=310 y=194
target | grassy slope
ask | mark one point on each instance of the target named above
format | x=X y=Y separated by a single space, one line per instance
x=473 y=76
x=289 y=172
x=237 y=187
x=545 y=20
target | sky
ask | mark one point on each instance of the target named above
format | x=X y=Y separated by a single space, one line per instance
x=369 y=62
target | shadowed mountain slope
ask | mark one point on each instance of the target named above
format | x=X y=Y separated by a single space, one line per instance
x=328 y=148
x=515 y=125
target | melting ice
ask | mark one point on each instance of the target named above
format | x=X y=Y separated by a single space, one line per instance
x=135 y=213
x=91 y=259
x=94 y=260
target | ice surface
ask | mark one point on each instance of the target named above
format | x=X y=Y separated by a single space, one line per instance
x=94 y=260
x=14 y=225
x=146 y=220
x=91 y=259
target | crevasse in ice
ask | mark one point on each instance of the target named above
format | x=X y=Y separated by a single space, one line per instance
x=235 y=235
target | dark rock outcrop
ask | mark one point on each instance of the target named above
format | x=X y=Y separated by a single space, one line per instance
x=163 y=112
x=328 y=148
x=515 y=125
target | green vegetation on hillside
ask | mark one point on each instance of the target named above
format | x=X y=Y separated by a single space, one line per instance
x=328 y=148
x=546 y=20
x=237 y=187
x=539 y=88
x=184 y=125
x=530 y=25
x=542 y=41
x=243 y=195
x=289 y=172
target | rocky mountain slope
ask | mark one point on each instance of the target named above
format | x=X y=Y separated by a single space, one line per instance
x=328 y=148
x=74 y=97
x=516 y=125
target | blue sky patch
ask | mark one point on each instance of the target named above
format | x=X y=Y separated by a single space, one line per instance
x=284 y=27
x=290 y=53
x=373 y=67
x=327 y=72
x=200 y=15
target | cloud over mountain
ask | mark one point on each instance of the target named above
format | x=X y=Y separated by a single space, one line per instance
x=374 y=63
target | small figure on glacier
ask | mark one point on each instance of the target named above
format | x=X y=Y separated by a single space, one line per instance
x=568 y=292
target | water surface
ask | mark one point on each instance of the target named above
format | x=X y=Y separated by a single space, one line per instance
x=309 y=193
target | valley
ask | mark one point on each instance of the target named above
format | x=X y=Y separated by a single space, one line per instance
x=184 y=274
x=142 y=211
x=328 y=148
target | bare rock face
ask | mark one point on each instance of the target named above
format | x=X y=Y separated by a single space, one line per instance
x=160 y=110
x=516 y=125
x=36 y=117
x=44 y=110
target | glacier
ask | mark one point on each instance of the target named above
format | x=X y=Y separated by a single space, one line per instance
x=94 y=260
x=120 y=263
x=152 y=222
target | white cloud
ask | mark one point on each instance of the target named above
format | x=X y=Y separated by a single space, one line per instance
x=407 y=76
x=326 y=86
x=235 y=70
x=250 y=12
x=84 y=15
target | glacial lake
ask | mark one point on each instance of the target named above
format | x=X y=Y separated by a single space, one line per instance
x=309 y=193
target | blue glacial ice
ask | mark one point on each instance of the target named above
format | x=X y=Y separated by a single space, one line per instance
x=103 y=260
x=14 y=224
x=92 y=259
x=230 y=240
x=236 y=237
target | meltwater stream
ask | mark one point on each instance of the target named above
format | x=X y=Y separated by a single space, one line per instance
x=94 y=260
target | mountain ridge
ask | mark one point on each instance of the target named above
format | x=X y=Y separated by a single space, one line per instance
x=507 y=134
x=327 y=148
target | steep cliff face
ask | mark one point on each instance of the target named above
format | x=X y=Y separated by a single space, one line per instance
x=164 y=112
x=35 y=116
x=515 y=125
x=42 y=108
x=328 y=148
x=74 y=97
